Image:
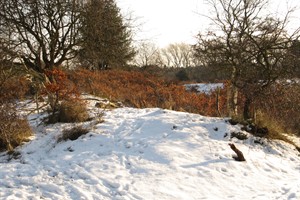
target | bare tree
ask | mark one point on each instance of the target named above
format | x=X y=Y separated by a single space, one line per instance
x=187 y=54
x=147 y=54
x=178 y=55
x=295 y=53
x=166 y=57
x=252 y=46
x=43 y=34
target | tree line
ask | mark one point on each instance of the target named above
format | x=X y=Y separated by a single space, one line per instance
x=174 y=55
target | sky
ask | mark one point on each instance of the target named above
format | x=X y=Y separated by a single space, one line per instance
x=173 y=21
x=165 y=21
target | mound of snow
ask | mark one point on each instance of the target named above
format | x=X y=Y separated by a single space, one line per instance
x=149 y=154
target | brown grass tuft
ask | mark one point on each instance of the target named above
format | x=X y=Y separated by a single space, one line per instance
x=13 y=129
x=72 y=111
x=73 y=133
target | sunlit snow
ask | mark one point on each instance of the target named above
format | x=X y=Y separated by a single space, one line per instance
x=148 y=154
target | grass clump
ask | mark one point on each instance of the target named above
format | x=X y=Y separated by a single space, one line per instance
x=73 y=133
x=73 y=111
x=69 y=111
x=13 y=129
x=275 y=128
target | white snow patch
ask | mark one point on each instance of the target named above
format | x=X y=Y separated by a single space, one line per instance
x=204 y=87
x=148 y=154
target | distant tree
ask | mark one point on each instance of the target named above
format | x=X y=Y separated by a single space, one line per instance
x=251 y=46
x=178 y=55
x=166 y=57
x=182 y=75
x=174 y=55
x=107 y=37
x=147 y=54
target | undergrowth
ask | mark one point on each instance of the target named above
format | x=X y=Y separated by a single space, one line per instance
x=14 y=129
x=143 y=90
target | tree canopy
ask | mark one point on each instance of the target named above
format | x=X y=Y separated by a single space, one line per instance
x=251 y=45
x=43 y=34
x=106 y=35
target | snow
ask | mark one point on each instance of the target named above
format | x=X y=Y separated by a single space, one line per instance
x=148 y=154
x=204 y=87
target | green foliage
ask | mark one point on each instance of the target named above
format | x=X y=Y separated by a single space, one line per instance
x=106 y=36
x=182 y=75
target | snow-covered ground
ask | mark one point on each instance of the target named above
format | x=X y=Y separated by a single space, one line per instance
x=204 y=87
x=149 y=154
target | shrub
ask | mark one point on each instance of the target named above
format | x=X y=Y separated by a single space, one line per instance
x=13 y=129
x=58 y=88
x=281 y=109
x=73 y=133
x=182 y=75
x=73 y=111
x=69 y=111
x=12 y=87
x=144 y=90
x=279 y=106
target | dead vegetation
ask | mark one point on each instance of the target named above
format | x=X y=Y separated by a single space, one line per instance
x=14 y=130
x=72 y=133
x=143 y=90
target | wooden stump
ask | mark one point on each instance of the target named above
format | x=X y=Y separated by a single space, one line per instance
x=239 y=155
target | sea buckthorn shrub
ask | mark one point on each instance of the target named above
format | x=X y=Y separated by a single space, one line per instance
x=63 y=98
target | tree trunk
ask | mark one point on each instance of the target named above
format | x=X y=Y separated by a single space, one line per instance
x=232 y=100
x=218 y=102
x=246 y=109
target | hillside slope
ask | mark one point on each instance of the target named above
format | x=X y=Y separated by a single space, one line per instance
x=149 y=154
